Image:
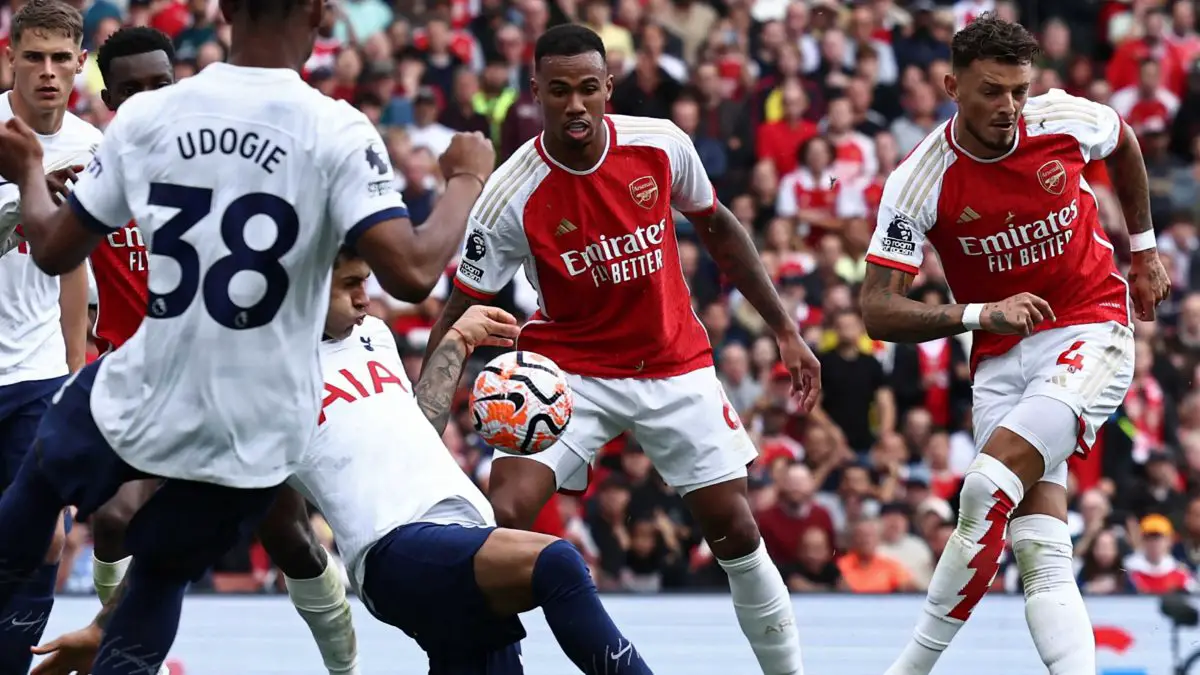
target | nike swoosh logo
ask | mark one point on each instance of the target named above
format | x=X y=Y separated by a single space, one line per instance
x=19 y=624
x=623 y=652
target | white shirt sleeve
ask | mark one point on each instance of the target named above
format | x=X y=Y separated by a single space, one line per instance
x=1096 y=126
x=362 y=191
x=691 y=191
x=494 y=250
x=99 y=199
x=902 y=226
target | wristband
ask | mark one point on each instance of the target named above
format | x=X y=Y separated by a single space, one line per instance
x=971 y=313
x=1142 y=241
x=466 y=342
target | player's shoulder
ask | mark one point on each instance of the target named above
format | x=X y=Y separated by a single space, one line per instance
x=914 y=179
x=80 y=130
x=503 y=199
x=634 y=130
x=1057 y=108
x=376 y=330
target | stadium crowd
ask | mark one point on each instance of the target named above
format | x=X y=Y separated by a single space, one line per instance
x=799 y=109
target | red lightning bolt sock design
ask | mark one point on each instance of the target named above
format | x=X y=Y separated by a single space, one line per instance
x=968 y=565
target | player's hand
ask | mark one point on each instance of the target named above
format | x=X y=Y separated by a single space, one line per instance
x=1149 y=284
x=484 y=326
x=470 y=154
x=71 y=653
x=20 y=151
x=804 y=367
x=1017 y=315
x=61 y=181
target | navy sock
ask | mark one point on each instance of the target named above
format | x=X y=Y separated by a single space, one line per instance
x=24 y=620
x=29 y=511
x=144 y=624
x=563 y=588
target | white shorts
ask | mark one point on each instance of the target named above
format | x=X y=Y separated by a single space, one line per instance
x=684 y=423
x=1087 y=367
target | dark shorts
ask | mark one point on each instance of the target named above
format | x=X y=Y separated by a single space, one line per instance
x=184 y=528
x=21 y=408
x=420 y=578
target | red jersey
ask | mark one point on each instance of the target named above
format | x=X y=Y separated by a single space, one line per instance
x=120 y=267
x=1024 y=222
x=599 y=246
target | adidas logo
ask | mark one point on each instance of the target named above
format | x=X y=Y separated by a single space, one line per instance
x=564 y=226
x=968 y=214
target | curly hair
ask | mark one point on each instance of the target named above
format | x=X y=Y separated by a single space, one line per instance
x=990 y=38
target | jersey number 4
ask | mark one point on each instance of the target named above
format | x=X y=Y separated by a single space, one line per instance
x=1071 y=358
x=194 y=204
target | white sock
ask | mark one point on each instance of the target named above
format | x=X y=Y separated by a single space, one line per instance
x=1054 y=609
x=967 y=567
x=107 y=576
x=322 y=604
x=764 y=611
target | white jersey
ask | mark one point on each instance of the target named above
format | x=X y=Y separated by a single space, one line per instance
x=377 y=463
x=31 y=339
x=244 y=182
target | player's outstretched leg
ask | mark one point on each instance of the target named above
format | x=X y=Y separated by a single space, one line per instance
x=314 y=585
x=760 y=598
x=30 y=513
x=184 y=528
x=992 y=487
x=1054 y=608
x=110 y=560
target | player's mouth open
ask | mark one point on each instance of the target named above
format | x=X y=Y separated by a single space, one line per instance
x=1003 y=125
x=578 y=129
x=47 y=92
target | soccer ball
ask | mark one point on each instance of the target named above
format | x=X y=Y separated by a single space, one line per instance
x=521 y=403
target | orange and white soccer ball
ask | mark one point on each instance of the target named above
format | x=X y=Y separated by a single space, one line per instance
x=521 y=403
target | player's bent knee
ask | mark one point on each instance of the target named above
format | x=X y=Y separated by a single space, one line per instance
x=725 y=518
x=990 y=492
x=294 y=549
x=1042 y=547
x=560 y=571
x=1048 y=425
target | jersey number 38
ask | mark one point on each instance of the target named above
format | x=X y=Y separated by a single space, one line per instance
x=194 y=204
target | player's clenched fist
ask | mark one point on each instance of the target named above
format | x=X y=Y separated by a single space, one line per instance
x=20 y=151
x=470 y=154
x=1149 y=284
x=1017 y=315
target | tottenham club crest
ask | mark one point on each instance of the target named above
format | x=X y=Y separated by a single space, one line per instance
x=1053 y=177
x=645 y=192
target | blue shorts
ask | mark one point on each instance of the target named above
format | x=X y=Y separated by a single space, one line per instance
x=21 y=408
x=420 y=578
x=183 y=529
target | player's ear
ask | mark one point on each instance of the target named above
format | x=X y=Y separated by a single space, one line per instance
x=9 y=54
x=533 y=88
x=608 y=87
x=317 y=11
x=107 y=98
x=951 y=83
x=83 y=53
x=227 y=7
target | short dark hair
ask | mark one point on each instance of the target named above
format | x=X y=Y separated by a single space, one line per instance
x=569 y=39
x=261 y=9
x=49 y=15
x=990 y=38
x=131 y=42
x=345 y=254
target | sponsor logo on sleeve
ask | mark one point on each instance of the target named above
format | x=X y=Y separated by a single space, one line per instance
x=476 y=248
x=898 y=240
x=375 y=160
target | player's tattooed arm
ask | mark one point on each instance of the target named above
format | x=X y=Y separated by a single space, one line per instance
x=733 y=250
x=439 y=380
x=457 y=305
x=1130 y=181
x=890 y=315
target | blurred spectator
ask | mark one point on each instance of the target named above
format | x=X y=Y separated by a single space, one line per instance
x=900 y=544
x=866 y=570
x=1102 y=571
x=854 y=385
x=784 y=525
x=815 y=570
x=1152 y=569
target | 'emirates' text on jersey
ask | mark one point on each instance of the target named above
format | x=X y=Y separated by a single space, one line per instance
x=599 y=246
x=377 y=463
x=31 y=339
x=120 y=265
x=1022 y=223
x=243 y=182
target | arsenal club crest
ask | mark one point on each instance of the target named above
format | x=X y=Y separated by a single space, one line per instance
x=644 y=191
x=1053 y=177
